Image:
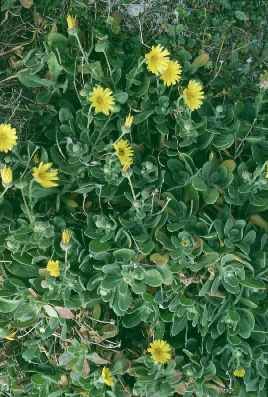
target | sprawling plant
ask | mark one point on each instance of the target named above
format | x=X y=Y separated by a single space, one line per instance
x=133 y=233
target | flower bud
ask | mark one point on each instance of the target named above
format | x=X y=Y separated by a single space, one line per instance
x=71 y=22
x=7 y=176
x=128 y=121
x=66 y=236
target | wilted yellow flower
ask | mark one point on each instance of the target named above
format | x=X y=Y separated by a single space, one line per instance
x=46 y=176
x=239 y=372
x=193 y=95
x=107 y=376
x=66 y=236
x=160 y=351
x=71 y=22
x=129 y=121
x=7 y=176
x=102 y=100
x=172 y=74
x=124 y=152
x=53 y=268
x=11 y=336
x=8 y=137
x=157 y=59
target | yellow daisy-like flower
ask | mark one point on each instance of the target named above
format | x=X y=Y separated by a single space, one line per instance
x=66 y=236
x=6 y=176
x=124 y=152
x=71 y=22
x=193 y=95
x=107 y=376
x=46 y=176
x=8 y=137
x=102 y=100
x=239 y=372
x=53 y=268
x=129 y=121
x=157 y=60
x=172 y=74
x=160 y=351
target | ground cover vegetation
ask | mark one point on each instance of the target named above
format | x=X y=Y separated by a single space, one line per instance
x=134 y=198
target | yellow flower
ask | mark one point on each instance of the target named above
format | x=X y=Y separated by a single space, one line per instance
x=107 y=376
x=66 y=236
x=7 y=176
x=193 y=95
x=157 y=60
x=8 y=137
x=124 y=153
x=71 y=22
x=239 y=372
x=45 y=175
x=11 y=336
x=172 y=74
x=53 y=268
x=129 y=121
x=102 y=100
x=160 y=351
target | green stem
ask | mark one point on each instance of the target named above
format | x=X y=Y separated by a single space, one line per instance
x=109 y=67
x=4 y=192
x=27 y=208
x=131 y=187
x=80 y=47
x=98 y=137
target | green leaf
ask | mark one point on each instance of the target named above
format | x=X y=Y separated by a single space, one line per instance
x=65 y=115
x=21 y=270
x=124 y=254
x=54 y=67
x=223 y=141
x=141 y=117
x=102 y=46
x=199 y=184
x=98 y=246
x=253 y=284
x=57 y=40
x=246 y=323
x=211 y=196
x=97 y=359
x=153 y=278
x=241 y=16
x=94 y=69
x=8 y=306
x=124 y=296
x=31 y=80
x=121 y=97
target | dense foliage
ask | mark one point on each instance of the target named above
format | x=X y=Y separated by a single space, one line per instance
x=133 y=209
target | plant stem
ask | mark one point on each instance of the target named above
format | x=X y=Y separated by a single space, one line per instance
x=109 y=67
x=27 y=207
x=4 y=192
x=80 y=47
x=131 y=187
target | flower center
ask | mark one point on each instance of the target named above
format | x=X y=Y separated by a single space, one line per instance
x=158 y=353
x=121 y=152
x=154 y=58
x=99 y=100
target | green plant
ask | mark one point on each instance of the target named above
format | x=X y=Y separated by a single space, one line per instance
x=168 y=243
